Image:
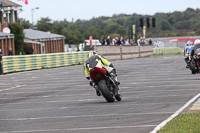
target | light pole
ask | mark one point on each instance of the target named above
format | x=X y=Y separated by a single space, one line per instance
x=33 y=9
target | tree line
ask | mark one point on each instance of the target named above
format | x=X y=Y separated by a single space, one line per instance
x=177 y=23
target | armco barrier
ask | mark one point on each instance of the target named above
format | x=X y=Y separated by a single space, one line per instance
x=167 y=51
x=124 y=52
x=33 y=62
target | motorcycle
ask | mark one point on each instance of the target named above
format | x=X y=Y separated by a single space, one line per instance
x=105 y=84
x=194 y=64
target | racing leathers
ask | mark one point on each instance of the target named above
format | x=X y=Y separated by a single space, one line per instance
x=98 y=61
x=101 y=62
x=195 y=51
x=187 y=52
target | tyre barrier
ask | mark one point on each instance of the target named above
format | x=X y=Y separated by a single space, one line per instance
x=42 y=61
x=167 y=51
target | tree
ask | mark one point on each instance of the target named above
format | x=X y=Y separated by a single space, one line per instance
x=25 y=23
x=45 y=24
x=180 y=25
x=165 y=25
x=196 y=27
x=17 y=30
x=115 y=29
x=95 y=32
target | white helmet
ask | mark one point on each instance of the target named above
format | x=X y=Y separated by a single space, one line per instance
x=197 y=42
x=189 y=43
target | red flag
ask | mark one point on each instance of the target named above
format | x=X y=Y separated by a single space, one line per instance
x=26 y=2
x=90 y=38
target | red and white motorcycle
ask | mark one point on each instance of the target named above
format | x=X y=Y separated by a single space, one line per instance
x=105 y=84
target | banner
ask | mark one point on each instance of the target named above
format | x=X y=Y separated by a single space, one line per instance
x=134 y=39
x=144 y=32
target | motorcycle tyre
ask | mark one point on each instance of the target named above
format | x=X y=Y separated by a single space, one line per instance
x=192 y=67
x=105 y=91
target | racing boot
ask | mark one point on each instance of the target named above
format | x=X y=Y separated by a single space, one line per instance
x=93 y=84
x=97 y=90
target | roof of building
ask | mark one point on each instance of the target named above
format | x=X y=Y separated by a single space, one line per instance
x=36 y=35
x=9 y=3
x=6 y=35
x=33 y=42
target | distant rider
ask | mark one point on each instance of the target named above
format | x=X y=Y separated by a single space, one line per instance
x=187 y=52
x=95 y=60
x=195 y=50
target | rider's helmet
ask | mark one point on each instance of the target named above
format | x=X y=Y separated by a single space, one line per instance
x=92 y=53
x=189 y=43
x=197 y=41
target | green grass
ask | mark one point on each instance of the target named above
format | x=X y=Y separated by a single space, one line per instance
x=185 y=123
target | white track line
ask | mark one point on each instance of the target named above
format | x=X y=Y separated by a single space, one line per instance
x=175 y=114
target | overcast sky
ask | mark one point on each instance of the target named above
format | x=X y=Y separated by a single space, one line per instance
x=87 y=9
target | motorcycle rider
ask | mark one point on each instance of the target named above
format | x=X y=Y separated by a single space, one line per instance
x=187 y=52
x=95 y=60
x=195 y=50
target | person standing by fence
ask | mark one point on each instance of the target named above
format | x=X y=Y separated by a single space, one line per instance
x=10 y=52
x=102 y=41
x=108 y=40
x=1 y=62
x=117 y=41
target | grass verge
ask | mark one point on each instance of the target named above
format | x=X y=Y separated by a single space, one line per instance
x=184 y=123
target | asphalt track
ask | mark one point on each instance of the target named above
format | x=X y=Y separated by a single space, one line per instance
x=61 y=101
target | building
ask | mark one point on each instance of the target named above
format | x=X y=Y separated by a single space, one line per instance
x=9 y=13
x=39 y=42
x=36 y=42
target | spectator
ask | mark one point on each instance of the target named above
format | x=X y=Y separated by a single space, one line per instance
x=118 y=42
x=131 y=41
x=141 y=41
x=108 y=40
x=150 y=42
x=1 y=51
x=127 y=42
x=102 y=41
x=113 y=41
x=10 y=52
x=122 y=40
x=1 y=67
x=77 y=49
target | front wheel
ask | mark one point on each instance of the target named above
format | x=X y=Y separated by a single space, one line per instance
x=105 y=91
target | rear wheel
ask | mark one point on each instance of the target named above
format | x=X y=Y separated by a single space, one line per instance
x=105 y=91
x=192 y=67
